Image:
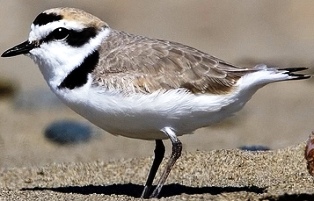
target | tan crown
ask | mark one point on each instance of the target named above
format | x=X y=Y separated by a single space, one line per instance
x=74 y=14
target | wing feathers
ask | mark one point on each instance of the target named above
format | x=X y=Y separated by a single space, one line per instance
x=148 y=65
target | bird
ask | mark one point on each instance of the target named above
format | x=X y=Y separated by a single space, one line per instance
x=136 y=86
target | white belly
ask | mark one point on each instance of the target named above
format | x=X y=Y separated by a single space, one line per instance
x=144 y=116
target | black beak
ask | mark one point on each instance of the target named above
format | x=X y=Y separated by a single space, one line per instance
x=22 y=48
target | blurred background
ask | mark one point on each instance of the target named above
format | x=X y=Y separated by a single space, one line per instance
x=248 y=32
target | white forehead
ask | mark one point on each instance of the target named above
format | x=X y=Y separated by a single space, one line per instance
x=41 y=31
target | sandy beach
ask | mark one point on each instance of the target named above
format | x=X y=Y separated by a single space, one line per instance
x=214 y=175
x=279 y=116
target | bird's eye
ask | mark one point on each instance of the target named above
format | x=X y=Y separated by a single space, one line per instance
x=60 y=33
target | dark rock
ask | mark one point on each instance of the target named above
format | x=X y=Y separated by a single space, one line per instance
x=7 y=88
x=254 y=148
x=68 y=132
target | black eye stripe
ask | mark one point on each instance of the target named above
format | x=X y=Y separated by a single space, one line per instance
x=44 y=18
x=75 y=38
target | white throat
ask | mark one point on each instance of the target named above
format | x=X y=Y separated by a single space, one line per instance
x=57 y=59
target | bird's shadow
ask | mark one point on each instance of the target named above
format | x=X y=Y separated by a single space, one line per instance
x=134 y=190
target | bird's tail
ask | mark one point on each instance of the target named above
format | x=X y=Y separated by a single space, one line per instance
x=265 y=75
x=292 y=75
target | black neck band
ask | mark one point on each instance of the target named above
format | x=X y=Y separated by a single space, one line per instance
x=78 y=77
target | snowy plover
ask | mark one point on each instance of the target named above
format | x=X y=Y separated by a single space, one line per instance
x=136 y=86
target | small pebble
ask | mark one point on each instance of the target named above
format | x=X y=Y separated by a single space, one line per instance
x=68 y=132
x=309 y=154
x=254 y=148
x=7 y=88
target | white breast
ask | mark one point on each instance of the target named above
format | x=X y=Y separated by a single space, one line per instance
x=144 y=116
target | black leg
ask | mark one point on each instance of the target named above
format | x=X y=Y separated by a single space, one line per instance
x=159 y=155
x=175 y=154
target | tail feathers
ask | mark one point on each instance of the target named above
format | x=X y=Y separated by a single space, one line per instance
x=265 y=75
x=293 y=75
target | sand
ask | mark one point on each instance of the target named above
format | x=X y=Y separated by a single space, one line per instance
x=214 y=175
